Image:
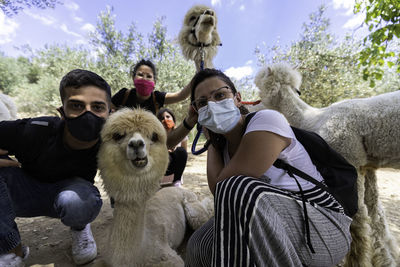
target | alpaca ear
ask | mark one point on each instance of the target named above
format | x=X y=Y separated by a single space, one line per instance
x=269 y=71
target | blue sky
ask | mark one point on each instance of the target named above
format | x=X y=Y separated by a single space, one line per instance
x=242 y=24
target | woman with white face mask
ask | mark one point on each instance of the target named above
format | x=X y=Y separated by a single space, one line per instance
x=259 y=215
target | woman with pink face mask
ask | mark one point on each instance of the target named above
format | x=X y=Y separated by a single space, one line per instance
x=143 y=95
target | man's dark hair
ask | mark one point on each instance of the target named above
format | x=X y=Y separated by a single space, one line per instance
x=161 y=111
x=147 y=63
x=78 y=78
x=217 y=140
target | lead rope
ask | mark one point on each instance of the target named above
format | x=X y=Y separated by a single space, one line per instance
x=306 y=220
x=202 y=56
x=196 y=138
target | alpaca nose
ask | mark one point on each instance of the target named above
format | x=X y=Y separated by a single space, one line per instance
x=209 y=12
x=136 y=144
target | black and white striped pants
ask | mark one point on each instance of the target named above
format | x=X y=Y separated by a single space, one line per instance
x=256 y=224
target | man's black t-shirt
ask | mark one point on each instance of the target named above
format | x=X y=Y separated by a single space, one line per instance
x=37 y=144
x=132 y=102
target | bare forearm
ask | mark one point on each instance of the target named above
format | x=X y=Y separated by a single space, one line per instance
x=215 y=165
x=180 y=132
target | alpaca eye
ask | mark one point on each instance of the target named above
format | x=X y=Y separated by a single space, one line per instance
x=192 y=18
x=154 y=137
x=117 y=136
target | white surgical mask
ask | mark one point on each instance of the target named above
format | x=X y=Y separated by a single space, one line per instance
x=220 y=117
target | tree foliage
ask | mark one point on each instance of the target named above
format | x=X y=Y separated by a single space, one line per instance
x=34 y=79
x=328 y=66
x=382 y=44
x=12 y=7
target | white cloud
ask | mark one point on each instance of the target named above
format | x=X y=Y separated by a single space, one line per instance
x=88 y=27
x=355 y=21
x=348 y=5
x=242 y=7
x=45 y=19
x=7 y=29
x=216 y=2
x=72 y=5
x=239 y=72
x=65 y=29
x=81 y=42
x=78 y=19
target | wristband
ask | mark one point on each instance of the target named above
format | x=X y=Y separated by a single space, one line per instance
x=187 y=126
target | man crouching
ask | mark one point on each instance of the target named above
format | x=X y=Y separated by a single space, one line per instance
x=56 y=166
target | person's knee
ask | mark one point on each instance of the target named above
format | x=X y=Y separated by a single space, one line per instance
x=181 y=153
x=77 y=210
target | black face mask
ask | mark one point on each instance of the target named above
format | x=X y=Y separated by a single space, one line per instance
x=86 y=127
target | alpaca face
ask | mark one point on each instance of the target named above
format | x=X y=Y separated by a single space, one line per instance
x=199 y=26
x=275 y=82
x=133 y=154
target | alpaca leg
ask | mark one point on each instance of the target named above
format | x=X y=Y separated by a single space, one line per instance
x=384 y=245
x=361 y=247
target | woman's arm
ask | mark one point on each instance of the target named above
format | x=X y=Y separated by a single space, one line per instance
x=176 y=97
x=184 y=143
x=256 y=153
x=177 y=134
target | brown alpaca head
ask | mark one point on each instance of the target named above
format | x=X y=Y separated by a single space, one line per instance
x=133 y=156
x=199 y=29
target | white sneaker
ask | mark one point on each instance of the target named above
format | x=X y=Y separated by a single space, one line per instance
x=178 y=183
x=12 y=260
x=84 y=247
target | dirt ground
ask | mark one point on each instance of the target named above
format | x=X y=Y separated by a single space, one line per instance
x=49 y=240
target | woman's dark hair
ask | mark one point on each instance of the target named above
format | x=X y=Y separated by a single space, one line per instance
x=144 y=62
x=209 y=73
x=161 y=111
x=217 y=140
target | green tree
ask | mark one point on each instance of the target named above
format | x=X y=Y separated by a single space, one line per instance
x=9 y=74
x=34 y=79
x=12 y=7
x=123 y=50
x=382 y=44
x=44 y=69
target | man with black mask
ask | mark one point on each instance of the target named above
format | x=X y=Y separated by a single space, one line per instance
x=55 y=166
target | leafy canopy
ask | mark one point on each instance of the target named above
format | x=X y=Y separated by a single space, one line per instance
x=382 y=44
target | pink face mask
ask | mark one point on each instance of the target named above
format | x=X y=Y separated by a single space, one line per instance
x=143 y=87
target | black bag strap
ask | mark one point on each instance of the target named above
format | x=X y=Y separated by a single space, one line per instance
x=289 y=168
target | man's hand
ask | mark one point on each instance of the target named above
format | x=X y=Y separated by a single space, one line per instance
x=8 y=162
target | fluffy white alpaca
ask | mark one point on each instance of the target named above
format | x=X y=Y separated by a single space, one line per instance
x=149 y=224
x=8 y=110
x=198 y=38
x=365 y=131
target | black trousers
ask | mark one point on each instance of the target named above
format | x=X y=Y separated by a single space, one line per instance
x=177 y=163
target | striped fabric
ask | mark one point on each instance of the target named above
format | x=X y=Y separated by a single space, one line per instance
x=256 y=224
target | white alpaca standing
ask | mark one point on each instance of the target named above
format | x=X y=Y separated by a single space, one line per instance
x=8 y=110
x=365 y=131
x=198 y=38
x=149 y=224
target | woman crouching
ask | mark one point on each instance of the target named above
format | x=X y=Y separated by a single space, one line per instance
x=259 y=215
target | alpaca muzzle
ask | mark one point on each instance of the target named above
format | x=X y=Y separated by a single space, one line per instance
x=136 y=151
